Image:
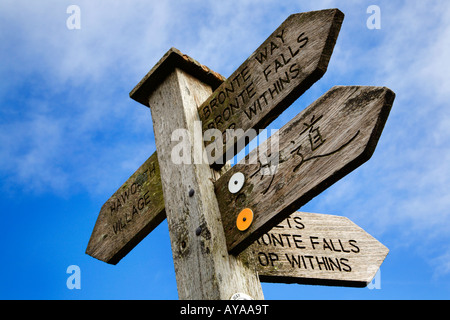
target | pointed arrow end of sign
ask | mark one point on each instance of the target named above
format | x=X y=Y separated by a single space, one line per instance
x=388 y=97
x=318 y=249
x=376 y=256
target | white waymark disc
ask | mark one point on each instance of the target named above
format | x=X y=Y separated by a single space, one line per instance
x=240 y=296
x=236 y=182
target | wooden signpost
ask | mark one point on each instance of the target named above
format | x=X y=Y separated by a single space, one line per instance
x=220 y=221
x=319 y=249
x=291 y=62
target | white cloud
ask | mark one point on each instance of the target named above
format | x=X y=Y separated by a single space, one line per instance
x=441 y=264
x=67 y=91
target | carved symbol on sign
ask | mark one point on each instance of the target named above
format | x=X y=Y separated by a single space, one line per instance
x=267 y=169
x=316 y=140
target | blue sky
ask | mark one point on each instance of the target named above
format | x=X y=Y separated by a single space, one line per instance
x=70 y=136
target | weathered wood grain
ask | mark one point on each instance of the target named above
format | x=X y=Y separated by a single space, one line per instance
x=323 y=143
x=173 y=57
x=203 y=267
x=318 y=249
x=131 y=213
x=293 y=58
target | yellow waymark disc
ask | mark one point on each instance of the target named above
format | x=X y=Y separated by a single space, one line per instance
x=244 y=219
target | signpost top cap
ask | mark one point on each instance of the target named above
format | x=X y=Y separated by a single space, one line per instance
x=171 y=60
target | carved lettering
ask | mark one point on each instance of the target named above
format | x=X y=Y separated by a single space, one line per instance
x=291 y=245
x=261 y=84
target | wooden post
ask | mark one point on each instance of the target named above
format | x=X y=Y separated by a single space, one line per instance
x=203 y=267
